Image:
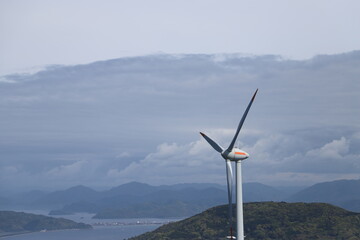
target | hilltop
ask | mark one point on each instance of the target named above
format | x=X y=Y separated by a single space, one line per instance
x=267 y=220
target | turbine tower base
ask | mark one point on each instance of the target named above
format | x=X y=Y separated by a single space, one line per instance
x=239 y=203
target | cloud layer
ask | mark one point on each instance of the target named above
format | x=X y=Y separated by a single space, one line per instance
x=138 y=118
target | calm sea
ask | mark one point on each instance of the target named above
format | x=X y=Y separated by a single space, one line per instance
x=103 y=229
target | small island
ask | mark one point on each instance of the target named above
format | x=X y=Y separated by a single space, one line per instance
x=12 y=223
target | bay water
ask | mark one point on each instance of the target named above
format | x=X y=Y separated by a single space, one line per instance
x=103 y=229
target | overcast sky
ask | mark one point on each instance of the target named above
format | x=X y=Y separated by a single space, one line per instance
x=40 y=32
x=137 y=118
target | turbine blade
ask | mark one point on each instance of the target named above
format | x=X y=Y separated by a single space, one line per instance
x=241 y=122
x=212 y=143
x=229 y=178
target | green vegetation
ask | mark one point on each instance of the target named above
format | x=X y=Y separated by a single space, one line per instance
x=267 y=220
x=16 y=222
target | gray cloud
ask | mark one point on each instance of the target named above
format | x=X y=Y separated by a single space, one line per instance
x=291 y=158
x=114 y=121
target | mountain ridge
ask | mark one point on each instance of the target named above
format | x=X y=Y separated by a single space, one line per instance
x=186 y=198
x=343 y=193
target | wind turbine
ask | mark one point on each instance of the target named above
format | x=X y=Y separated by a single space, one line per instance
x=234 y=154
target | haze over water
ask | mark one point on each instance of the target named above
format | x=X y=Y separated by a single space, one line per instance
x=103 y=229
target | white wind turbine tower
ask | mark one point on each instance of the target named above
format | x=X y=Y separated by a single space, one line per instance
x=236 y=155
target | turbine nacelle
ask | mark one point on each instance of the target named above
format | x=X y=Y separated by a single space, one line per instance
x=236 y=154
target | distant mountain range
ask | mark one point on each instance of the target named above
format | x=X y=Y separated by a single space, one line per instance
x=142 y=200
x=136 y=199
x=343 y=193
x=266 y=220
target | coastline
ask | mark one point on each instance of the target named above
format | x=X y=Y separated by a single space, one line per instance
x=9 y=234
